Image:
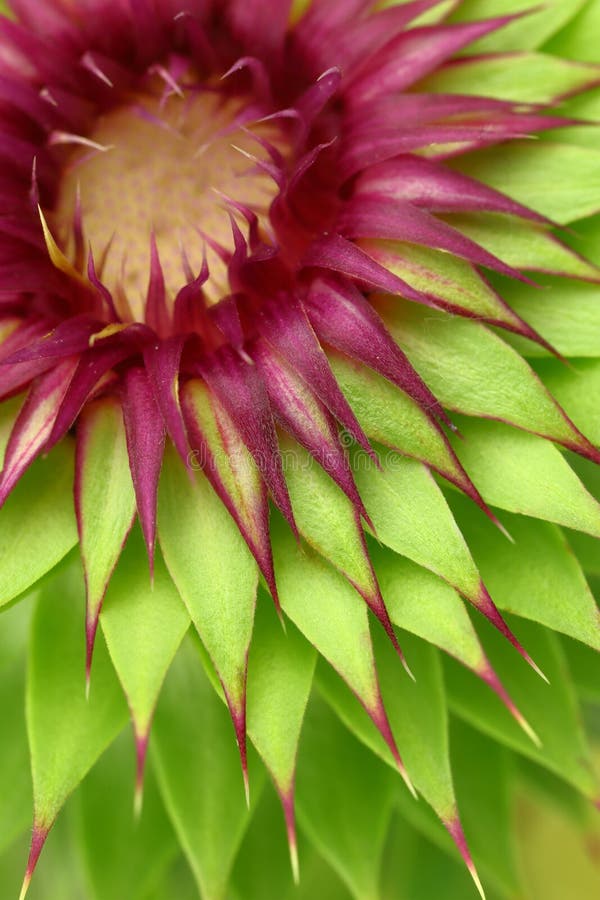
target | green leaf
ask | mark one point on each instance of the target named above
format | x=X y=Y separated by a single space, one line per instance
x=566 y=313
x=422 y=603
x=537 y=576
x=482 y=775
x=261 y=869
x=577 y=388
x=214 y=572
x=561 y=181
x=455 y=357
x=551 y=708
x=410 y=515
x=326 y=518
x=195 y=757
x=280 y=675
x=584 y=665
x=15 y=781
x=448 y=278
x=67 y=734
x=143 y=625
x=528 y=32
x=525 y=474
x=523 y=245
x=37 y=523
x=522 y=77
x=391 y=417
x=578 y=40
x=124 y=858
x=329 y=613
x=344 y=801
x=417 y=712
x=105 y=501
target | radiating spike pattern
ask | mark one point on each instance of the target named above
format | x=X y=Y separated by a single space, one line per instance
x=258 y=261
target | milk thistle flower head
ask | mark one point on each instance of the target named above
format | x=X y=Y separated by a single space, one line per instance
x=264 y=316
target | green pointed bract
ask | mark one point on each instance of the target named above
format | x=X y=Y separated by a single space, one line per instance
x=391 y=417
x=453 y=282
x=482 y=775
x=58 y=715
x=280 y=675
x=524 y=474
x=577 y=389
x=337 y=626
x=411 y=516
x=525 y=246
x=552 y=709
x=197 y=766
x=331 y=524
x=418 y=716
x=536 y=577
x=15 y=781
x=232 y=470
x=423 y=604
x=561 y=181
x=523 y=77
x=348 y=821
x=529 y=31
x=105 y=503
x=455 y=358
x=567 y=314
x=37 y=523
x=123 y=857
x=143 y=625
x=215 y=575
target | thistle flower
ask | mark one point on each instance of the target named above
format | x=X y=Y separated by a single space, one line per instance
x=255 y=273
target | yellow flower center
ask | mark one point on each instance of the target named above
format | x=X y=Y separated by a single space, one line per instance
x=161 y=164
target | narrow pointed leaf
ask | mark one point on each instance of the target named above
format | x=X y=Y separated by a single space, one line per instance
x=536 y=577
x=104 y=500
x=566 y=313
x=450 y=281
x=280 y=675
x=145 y=445
x=329 y=522
x=143 y=625
x=124 y=857
x=576 y=389
x=522 y=77
x=197 y=767
x=561 y=181
x=523 y=473
x=455 y=358
x=423 y=604
x=37 y=523
x=527 y=32
x=15 y=781
x=337 y=625
x=219 y=450
x=552 y=709
x=34 y=424
x=67 y=733
x=482 y=773
x=391 y=417
x=348 y=821
x=411 y=516
x=215 y=575
x=525 y=246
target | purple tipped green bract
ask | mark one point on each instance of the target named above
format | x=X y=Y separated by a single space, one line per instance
x=299 y=348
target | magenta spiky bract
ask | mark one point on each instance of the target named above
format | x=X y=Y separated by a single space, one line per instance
x=199 y=204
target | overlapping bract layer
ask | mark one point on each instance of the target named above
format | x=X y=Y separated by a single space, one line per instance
x=296 y=344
